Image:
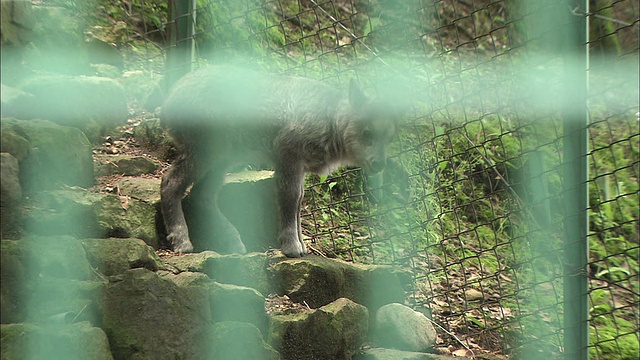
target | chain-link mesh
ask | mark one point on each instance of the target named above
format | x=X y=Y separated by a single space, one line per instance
x=472 y=200
x=613 y=181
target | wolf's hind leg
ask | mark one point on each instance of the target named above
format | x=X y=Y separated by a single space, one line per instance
x=172 y=189
x=205 y=192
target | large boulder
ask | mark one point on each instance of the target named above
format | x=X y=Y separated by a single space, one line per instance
x=17 y=22
x=228 y=302
x=49 y=154
x=334 y=331
x=237 y=303
x=51 y=256
x=12 y=141
x=399 y=327
x=10 y=197
x=71 y=341
x=244 y=270
x=16 y=30
x=233 y=340
x=51 y=300
x=46 y=276
x=115 y=256
x=91 y=215
x=248 y=270
x=13 y=275
x=319 y=281
x=148 y=317
x=93 y=104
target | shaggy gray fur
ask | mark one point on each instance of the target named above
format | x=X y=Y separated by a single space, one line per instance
x=220 y=116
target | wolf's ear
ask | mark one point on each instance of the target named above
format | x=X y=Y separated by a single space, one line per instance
x=357 y=98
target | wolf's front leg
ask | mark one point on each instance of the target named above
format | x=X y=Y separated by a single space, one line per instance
x=172 y=189
x=290 y=182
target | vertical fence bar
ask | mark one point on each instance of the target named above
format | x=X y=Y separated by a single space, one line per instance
x=575 y=186
x=181 y=50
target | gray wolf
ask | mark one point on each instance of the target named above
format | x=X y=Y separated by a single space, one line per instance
x=220 y=116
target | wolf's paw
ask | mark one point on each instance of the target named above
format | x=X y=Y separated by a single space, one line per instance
x=293 y=250
x=291 y=246
x=180 y=242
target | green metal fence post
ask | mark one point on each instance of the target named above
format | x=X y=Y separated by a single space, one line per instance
x=181 y=51
x=575 y=186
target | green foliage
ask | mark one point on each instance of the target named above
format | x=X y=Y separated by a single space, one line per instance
x=613 y=338
x=231 y=29
x=614 y=199
x=149 y=14
x=614 y=232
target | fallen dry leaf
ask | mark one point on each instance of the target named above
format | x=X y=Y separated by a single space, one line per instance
x=124 y=201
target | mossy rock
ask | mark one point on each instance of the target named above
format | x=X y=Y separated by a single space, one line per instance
x=10 y=197
x=50 y=155
x=60 y=257
x=91 y=215
x=248 y=270
x=72 y=341
x=237 y=340
x=45 y=276
x=195 y=262
x=127 y=165
x=58 y=301
x=114 y=256
x=237 y=303
x=146 y=316
x=319 y=281
x=397 y=326
x=80 y=101
x=143 y=189
x=334 y=331
x=187 y=278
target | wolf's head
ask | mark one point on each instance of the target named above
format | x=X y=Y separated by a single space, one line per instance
x=371 y=125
